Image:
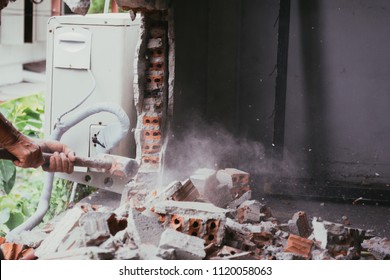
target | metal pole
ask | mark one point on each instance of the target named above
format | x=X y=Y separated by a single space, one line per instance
x=281 y=78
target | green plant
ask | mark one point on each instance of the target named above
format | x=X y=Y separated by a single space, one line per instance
x=26 y=114
x=20 y=189
x=97 y=6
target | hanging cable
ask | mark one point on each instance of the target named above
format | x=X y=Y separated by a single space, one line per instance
x=82 y=101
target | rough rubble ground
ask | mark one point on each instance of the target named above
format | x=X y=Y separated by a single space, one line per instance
x=179 y=222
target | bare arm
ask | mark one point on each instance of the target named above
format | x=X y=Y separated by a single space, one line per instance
x=28 y=152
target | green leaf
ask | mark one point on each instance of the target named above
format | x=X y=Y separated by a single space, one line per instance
x=15 y=219
x=7 y=202
x=25 y=210
x=32 y=114
x=7 y=175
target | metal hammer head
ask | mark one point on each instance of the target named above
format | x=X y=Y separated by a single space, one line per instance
x=121 y=166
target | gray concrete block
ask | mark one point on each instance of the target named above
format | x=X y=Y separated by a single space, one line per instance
x=186 y=247
x=249 y=212
x=205 y=181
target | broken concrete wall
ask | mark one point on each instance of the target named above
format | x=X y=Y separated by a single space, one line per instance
x=153 y=84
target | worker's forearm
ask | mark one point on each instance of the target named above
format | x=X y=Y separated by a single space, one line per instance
x=8 y=133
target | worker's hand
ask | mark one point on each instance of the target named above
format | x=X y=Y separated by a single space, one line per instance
x=27 y=152
x=63 y=158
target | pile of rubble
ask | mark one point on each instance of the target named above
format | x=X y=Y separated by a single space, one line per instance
x=208 y=216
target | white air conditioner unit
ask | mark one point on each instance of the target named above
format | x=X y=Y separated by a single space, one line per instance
x=91 y=55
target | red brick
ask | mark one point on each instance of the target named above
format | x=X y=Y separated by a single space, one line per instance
x=299 y=245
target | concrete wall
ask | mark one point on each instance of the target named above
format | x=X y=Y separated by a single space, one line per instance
x=339 y=89
x=337 y=117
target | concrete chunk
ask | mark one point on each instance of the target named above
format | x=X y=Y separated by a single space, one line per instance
x=320 y=233
x=189 y=208
x=205 y=181
x=299 y=225
x=233 y=177
x=337 y=238
x=379 y=247
x=220 y=196
x=144 y=228
x=68 y=222
x=186 y=247
x=31 y=239
x=95 y=227
x=75 y=239
x=177 y=191
x=125 y=253
x=238 y=201
x=249 y=212
x=249 y=228
x=320 y=255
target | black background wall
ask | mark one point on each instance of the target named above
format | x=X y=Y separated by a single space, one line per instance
x=338 y=87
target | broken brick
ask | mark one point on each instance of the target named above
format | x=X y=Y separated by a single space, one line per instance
x=337 y=238
x=237 y=180
x=233 y=177
x=262 y=239
x=299 y=245
x=187 y=192
x=195 y=227
x=178 y=192
x=212 y=228
x=185 y=217
x=177 y=222
x=12 y=251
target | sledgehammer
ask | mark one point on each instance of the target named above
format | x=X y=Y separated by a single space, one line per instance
x=113 y=164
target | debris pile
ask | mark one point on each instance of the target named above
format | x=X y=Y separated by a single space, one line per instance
x=211 y=215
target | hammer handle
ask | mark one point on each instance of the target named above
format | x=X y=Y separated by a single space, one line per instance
x=79 y=161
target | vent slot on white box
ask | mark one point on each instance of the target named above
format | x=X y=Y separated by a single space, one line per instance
x=72 y=48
